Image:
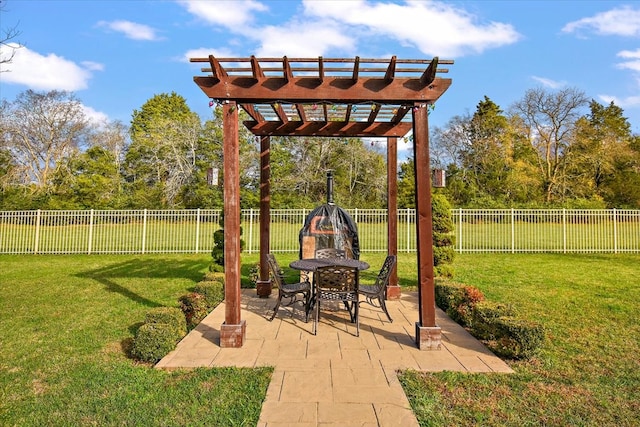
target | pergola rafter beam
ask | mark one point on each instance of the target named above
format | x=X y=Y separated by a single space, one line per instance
x=255 y=114
x=216 y=68
x=356 y=69
x=258 y=74
x=391 y=70
x=430 y=73
x=286 y=68
x=320 y=69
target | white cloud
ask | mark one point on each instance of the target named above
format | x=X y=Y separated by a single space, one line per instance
x=435 y=28
x=94 y=116
x=230 y=14
x=627 y=102
x=303 y=40
x=553 y=84
x=633 y=60
x=624 y=21
x=45 y=72
x=93 y=66
x=131 y=30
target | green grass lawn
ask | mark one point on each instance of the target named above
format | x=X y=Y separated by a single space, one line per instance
x=65 y=322
x=588 y=372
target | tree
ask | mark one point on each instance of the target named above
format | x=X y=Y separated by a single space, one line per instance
x=7 y=47
x=487 y=156
x=90 y=180
x=299 y=167
x=40 y=130
x=605 y=163
x=407 y=185
x=162 y=156
x=549 y=120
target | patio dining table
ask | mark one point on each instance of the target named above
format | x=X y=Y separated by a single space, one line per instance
x=312 y=264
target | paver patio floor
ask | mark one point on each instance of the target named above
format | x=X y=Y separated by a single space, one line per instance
x=333 y=378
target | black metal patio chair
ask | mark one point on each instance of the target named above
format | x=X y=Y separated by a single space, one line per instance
x=330 y=253
x=375 y=294
x=290 y=291
x=337 y=283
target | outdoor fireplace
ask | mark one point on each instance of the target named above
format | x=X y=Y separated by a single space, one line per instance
x=329 y=226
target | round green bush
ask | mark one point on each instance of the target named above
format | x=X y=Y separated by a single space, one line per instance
x=153 y=341
x=194 y=307
x=172 y=316
x=213 y=292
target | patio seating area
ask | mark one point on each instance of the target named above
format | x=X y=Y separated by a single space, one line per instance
x=335 y=377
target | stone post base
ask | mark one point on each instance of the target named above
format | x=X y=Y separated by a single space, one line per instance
x=393 y=292
x=428 y=337
x=263 y=288
x=232 y=336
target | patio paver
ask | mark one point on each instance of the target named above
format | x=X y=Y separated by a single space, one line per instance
x=333 y=378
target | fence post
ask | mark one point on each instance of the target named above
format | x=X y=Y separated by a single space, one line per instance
x=408 y=233
x=90 y=243
x=615 y=231
x=564 y=230
x=36 y=243
x=198 y=230
x=513 y=231
x=250 y=243
x=460 y=229
x=144 y=231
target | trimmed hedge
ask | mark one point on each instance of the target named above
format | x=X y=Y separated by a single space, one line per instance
x=495 y=323
x=153 y=341
x=517 y=338
x=172 y=316
x=213 y=292
x=194 y=307
x=485 y=317
x=165 y=326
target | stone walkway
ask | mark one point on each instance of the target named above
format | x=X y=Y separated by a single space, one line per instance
x=333 y=378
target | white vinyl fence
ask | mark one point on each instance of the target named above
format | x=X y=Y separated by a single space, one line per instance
x=191 y=231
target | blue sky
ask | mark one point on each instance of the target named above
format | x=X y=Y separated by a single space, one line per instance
x=116 y=54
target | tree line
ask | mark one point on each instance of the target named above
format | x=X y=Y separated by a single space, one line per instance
x=53 y=157
x=551 y=149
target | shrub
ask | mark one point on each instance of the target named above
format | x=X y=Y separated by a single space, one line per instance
x=172 y=316
x=194 y=307
x=444 y=271
x=464 y=303
x=445 y=292
x=484 y=318
x=214 y=276
x=443 y=255
x=216 y=268
x=443 y=236
x=153 y=341
x=213 y=292
x=517 y=338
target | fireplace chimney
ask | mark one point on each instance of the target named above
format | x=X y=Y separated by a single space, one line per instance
x=330 y=187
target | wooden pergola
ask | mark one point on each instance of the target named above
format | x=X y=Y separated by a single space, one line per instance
x=326 y=97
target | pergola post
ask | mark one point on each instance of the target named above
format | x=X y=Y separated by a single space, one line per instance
x=233 y=330
x=263 y=285
x=393 y=289
x=428 y=334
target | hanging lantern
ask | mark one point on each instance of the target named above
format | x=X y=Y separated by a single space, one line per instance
x=438 y=178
